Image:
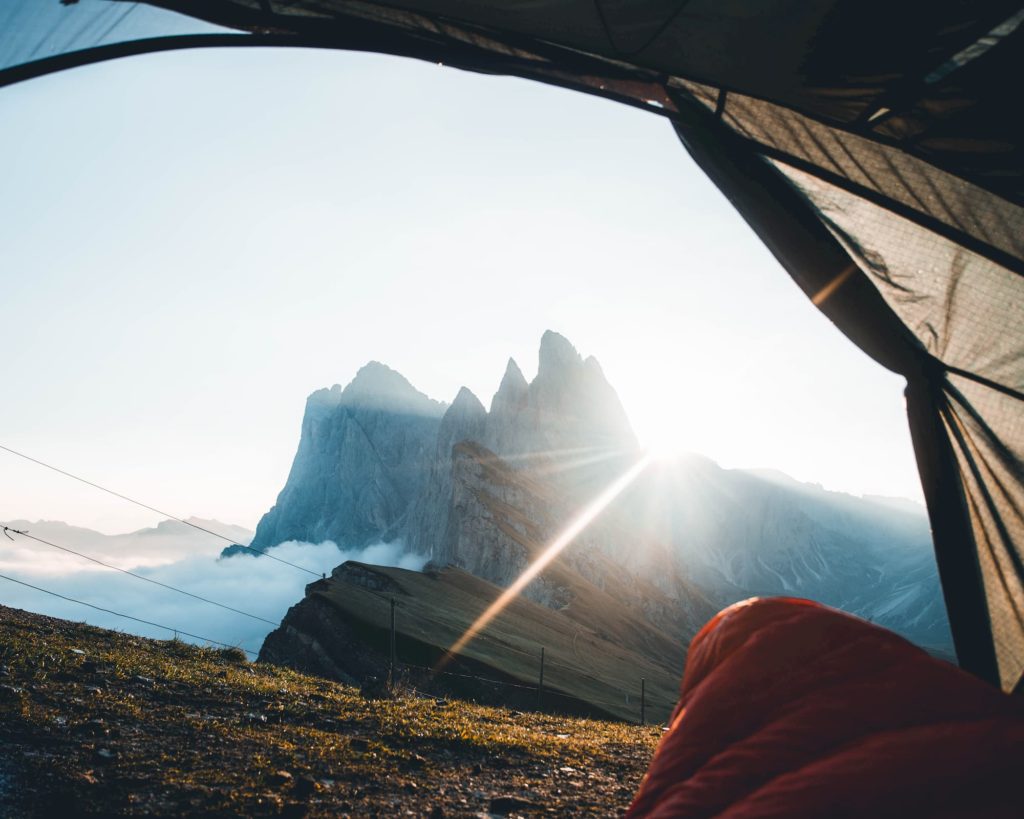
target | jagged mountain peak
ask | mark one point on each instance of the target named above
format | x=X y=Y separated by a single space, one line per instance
x=466 y=402
x=556 y=355
x=513 y=375
x=378 y=386
x=513 y=390
x=464 y=418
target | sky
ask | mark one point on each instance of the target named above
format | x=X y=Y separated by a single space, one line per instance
x=191 y=243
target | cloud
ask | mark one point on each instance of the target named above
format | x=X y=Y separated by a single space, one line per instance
x=247 y=582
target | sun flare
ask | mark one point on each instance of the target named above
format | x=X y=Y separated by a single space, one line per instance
x=667 y=444
x=567 y=536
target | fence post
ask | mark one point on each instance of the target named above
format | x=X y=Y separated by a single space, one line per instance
x=540 y=683
x=643 y=701
x=391 y=666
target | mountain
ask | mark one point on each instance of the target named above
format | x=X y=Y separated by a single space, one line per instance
x=363 y=457
x=486 y=489
x=167 y=542
x=738 y=534
x=568 y=409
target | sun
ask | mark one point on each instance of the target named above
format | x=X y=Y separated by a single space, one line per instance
x=668 y=444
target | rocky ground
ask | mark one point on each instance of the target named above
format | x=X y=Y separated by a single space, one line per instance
x=99 y=723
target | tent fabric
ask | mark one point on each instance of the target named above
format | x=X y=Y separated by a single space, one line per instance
x=790 y=709
x=884 y=136
x=38 y=30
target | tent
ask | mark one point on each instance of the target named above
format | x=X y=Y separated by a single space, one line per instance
x=872 y=146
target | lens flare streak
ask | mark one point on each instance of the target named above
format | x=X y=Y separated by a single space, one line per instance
x=544 y=559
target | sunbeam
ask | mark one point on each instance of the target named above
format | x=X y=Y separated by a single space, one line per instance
x=581 y=522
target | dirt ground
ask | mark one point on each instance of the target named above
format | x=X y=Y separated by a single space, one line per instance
x=99 y=723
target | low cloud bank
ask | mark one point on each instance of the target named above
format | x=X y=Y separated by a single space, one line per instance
x=247 y=582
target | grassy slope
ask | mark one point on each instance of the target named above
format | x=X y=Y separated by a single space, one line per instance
x=95 y=722
x=599 y=665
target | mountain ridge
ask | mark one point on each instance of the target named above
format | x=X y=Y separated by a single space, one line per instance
x=492 y=486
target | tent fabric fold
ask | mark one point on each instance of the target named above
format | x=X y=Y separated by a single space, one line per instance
x=875 y=147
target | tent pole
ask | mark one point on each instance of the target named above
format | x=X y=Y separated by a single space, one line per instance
x=962 y=583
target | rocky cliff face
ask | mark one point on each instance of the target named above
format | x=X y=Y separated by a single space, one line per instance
x=567 y=426
x=363 y=456
x=567 y=410
x=501 y=519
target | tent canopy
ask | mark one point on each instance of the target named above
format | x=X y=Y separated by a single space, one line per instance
x=875 y=148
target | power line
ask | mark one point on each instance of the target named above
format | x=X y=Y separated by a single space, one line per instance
x=127 y=616
x=262 y=552
x=8 y=529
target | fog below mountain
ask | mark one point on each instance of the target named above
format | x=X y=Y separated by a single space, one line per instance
x=176 y=555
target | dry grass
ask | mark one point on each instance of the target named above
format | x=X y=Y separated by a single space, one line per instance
x=94 y=722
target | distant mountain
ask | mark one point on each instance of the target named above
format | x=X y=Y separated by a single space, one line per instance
x=486 y=489
x=737 y=534
x=167 y=542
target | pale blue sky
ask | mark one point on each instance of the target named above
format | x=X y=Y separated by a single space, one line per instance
x=192 y=242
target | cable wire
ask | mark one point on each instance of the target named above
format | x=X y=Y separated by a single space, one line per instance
x=8 y=529
x=127 y=616
x=262 y=552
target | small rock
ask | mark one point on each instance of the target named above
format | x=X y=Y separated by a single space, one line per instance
x=478 y=769
x=280 y=778
x=357 y=744
x=436 y=813
x=78 y=651
x=106 y=755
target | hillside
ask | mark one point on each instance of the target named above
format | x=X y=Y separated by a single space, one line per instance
x=99 y=723
x=596 y=650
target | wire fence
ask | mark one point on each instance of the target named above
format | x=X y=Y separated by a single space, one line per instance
x=575 y=702
x=232 y=541
x=7 y=530
x=176 y=631
x=579 y=702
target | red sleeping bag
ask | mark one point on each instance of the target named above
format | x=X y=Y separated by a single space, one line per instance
x=790 y=709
